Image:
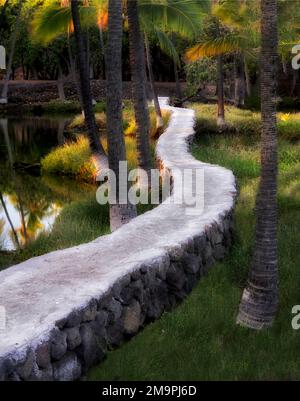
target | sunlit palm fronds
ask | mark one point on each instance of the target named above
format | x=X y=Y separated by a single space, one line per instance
x=180 y=16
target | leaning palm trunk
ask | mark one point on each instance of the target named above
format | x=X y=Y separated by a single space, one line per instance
x=159 y=118
x=11 y=54
x=137 y=63
x=220 y=93
x=119 y=213
x=261 y=296
x=98 y=153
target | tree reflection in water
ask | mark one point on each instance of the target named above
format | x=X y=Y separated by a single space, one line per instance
x=30 y=204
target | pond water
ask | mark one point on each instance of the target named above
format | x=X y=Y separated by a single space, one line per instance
x=29 y=202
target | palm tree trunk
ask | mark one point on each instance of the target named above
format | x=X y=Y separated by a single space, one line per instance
x=220 y=92
x=178 y=86
x=137 y=63
x=247 y=77
x=159 y=118
x=98 y=153
x=294 y=81
x=102 y=48
x=74 y=74
x=239 y=81
x=261 y=296
x=11 y=54
x=119 y=213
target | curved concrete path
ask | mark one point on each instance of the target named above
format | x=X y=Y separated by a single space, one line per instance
x=42 y=291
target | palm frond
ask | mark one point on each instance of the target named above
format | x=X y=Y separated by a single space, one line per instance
x=167 y=46
x=54 y=20
x=228 y=43
x=181 y=16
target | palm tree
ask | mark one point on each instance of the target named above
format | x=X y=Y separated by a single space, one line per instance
x=215 y=32
x=261 y=296
x=98 y=153
x=13 y=40
x=54 y=19
x=138 y=71
x=233 y=30
x=119 y=213
x=160 y=18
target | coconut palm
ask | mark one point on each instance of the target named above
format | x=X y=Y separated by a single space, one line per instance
x=261 y=296
x=215 y=32
x=235 y=31
x=162 y=18
x=54 y=19
x=98 y=153
x=138 y=72
x=119 y=213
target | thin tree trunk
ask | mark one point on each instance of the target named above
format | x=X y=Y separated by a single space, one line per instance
x=178 y=85
x=260 y=298
x=11 y=54
x=88 y=62
x=103 y=67
x=247 y=76
x=294 y=81
x=284 y=68
x=119 y=213
x=220 y=92
x=159 y=118
x=98 y=153
x=74 y=74
x=138 y=71
x=239 y=81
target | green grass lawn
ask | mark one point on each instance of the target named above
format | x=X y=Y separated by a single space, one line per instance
x=200 y=340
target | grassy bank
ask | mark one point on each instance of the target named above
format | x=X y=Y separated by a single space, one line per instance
x=74 y=158
x=199 y=340
x=245 y=122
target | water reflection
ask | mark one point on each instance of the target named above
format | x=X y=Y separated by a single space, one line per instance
x=29 y=204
